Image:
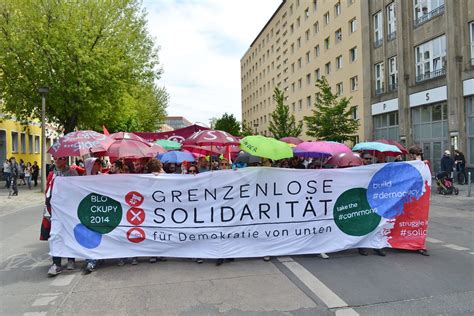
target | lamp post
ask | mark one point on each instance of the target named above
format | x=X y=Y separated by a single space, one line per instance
x=43 y=91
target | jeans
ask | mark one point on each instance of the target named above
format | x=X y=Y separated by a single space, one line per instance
x=7 y=177
x=57 y=260
x=28 y=181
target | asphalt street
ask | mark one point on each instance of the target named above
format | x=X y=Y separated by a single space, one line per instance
x=402 y=283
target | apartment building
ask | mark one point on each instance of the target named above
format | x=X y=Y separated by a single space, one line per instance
x=302 y=41
x=422 y=75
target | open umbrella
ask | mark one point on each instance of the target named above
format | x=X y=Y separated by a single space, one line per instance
x=244 y=157
x=291 y=140
x=319 y=149
x=80 y=143
x=129 y=149
x=266 y=147
x=204 y=150
x=125 y=135
x=343 y=160
x=175 y=157
x=394 y=143
x=211 y=138
x=377 y=148
x=168 y=144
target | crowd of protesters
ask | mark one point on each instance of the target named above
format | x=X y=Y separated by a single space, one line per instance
x=97 y=166
x=16 y=173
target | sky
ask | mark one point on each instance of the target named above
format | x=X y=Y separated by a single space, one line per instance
x=201 y=43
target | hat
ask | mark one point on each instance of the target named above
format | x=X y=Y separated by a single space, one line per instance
x=447 y=152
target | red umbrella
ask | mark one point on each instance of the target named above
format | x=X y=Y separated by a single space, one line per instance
x=80 y=143
x=203 y=150
x=125 y=135
x=129 y=149
x=394 y=143
x=343 y=160
x=291 y=140
x=211 y=138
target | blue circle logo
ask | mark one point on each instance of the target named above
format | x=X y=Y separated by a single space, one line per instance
x=392 y=187
x=87 y=238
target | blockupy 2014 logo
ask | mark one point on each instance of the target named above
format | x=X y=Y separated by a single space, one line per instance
x=358 y=211
x=100 y=214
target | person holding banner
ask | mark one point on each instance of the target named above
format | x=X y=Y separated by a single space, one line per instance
x=61 y=170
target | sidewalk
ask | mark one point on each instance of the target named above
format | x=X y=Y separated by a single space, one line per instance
x=461 y=201
x=26 y=198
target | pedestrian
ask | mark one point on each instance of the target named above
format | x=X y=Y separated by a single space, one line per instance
x=460 y=162
x=61 y=170
x=447 y=162
x=7 y=173
x=13 y=177
x=28 y=172
x=21 y=172
x=35 y=173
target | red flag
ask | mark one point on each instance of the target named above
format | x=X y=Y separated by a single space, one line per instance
x=106 y=132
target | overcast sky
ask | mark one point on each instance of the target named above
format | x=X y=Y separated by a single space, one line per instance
x=201 y=44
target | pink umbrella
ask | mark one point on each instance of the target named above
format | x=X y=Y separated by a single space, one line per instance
x=203 y=150
x=343 y=160
x=125 y=135
x=80 y=143
x=211 y=138
x=320 y=149
x=129 y=149
x=157 y=149
x=291 y=140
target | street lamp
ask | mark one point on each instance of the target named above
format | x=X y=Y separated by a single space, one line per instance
x=43 y=91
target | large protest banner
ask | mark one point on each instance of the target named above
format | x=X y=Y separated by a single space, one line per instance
x=248 y=212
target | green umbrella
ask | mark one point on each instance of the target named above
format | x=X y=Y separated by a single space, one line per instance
x=266 y=147
x=168 y=144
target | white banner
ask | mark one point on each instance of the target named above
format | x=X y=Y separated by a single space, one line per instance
x=247 y=212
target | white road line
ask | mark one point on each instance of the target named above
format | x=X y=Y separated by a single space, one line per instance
x=456 y=247
x=433 y=240
x=35 y=314
x=331 y=299
x=472 y=253
x=63 y=280
x=45 y=300
x=346 y=312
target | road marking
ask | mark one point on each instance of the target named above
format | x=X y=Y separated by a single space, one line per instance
x=331 y=299
x=63 y=280
x=35 y=314
x=45 y=300
x=472 y=253
x=433 y=240
x=456 y=247
x=346 y=312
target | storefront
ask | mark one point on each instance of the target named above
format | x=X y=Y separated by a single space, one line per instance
x=385 y=118
x=468 y=86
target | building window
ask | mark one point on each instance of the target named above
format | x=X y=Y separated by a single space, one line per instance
x=300 y=105
x=471 y=28
x=308 y=78
x=350 y=2
x=379 y=78
x=292 y=67
x=37 y=144
x=306 y=13
x=300 y=83
x=355 y=112
x=425 y=10
x=354 y=83
x=317 y=75
x=14 y=142
x=339 y=88
x=328 y=68
x=337 y=9
x=23 y=143
x=386 y=126
x=352 y=25
x=338 y=36
x=293 y=87
x=308 y=59
x=392 y=74
x=378 y=29
x=293 y=106
x=431 y=59
x=391 y=22
x=308 y=101
x=298 y=22
x=292 y=28
x=292 y=48
x=307 y=34
x=299 y=63
x=339 y=62
x=315 y=5
x=353 y=54
x=30 y=144
x=326 y=43
x=326 y=18
x=316 y=28
x=317 y=51
x=298 y=42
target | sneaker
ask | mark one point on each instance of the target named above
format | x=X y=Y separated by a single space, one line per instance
x=121 y=262
x=134 y=261
x=90 y=267
x=266 y=258
x=71 y=265
x=380 y=252
x=54 y=270
x=199 y=260
x=324 y=255
x=153 y=259
x=363 y=252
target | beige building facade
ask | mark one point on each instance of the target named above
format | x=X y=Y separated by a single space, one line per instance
x=302 y=41
x=422 y=75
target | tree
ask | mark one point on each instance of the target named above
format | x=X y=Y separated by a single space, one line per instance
x=91 y=55
x=228 y=123
x=332 y=116
x=246 y=130
x=282 y=123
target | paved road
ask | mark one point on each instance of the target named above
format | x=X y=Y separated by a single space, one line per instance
x=403 y=283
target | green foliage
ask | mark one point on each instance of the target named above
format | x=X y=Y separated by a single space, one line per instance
x=246 y=130
x=228 y=123
x=282 y=123
x=332 y=116
x=93 y=55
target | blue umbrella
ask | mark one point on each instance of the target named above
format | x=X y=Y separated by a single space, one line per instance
x=175 y=157
x=376 y=146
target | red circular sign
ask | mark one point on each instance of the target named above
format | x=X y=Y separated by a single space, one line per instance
x=135 y=216
x=136 y=235
x=133 y=198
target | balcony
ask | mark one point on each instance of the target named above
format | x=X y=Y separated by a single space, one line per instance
x=431 y=75
x=428 y=16
x=392 y=36
x=378 y=42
